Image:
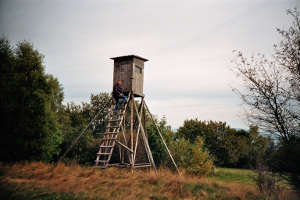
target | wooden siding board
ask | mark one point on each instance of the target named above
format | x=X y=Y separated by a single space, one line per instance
x=128 y=73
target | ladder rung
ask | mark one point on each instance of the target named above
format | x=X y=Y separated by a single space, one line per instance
x=101 y=161
x=114 y=120
x=107 y=133
x=106 y=146
x=116 y=114
x=103 y=153
x=109 y=139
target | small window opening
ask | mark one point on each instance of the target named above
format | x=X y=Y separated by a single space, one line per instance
x=138 y=69
x=120 y=68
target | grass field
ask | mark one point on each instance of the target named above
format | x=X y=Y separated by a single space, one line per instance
x=242 y=176
x=37 y=180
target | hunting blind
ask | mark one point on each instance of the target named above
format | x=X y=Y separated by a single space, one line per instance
x=125 y=140
x=130 y=71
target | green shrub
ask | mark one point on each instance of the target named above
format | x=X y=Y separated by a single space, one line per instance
x=192 y=157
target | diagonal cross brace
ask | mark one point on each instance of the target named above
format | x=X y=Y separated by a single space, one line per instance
x=145 y=139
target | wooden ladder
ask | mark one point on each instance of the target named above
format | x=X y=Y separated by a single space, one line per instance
x=110 y=137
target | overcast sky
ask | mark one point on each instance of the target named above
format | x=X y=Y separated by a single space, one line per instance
x=189 y=45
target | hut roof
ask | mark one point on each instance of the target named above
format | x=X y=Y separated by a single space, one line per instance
x=129 y=56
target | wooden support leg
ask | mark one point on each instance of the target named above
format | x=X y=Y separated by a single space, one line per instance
x=145 y=141
x=137 y=137
x=131 y=127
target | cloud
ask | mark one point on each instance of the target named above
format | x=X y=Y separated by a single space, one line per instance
x=188 y=43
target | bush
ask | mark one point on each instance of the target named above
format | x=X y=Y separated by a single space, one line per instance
x=266 y=181
x=200 y=163
x=192 y=157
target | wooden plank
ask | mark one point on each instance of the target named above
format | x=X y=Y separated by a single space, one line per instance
x=131 y=126
x=144 y=114
x=122 y=125
x=137 y=136
x=145 y=140
x=112 y=127
x=116 y=135
x=114 y=120
x=106 y=133
x=138 y=164
x=124 y=146
x=143 y=166
x=103 y=153
x=108 y=139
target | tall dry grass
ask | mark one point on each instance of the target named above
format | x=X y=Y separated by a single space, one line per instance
x=114 y=183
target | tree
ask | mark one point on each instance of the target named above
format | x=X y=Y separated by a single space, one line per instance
x=30 y=100
x=257 y=145
x=287 y=54
x=271 y=88
x=8 y=106
x=97 y=102
x=229 y=147
x=270 y=93
x=74 y=120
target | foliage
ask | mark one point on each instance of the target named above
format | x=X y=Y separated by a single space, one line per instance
x=73 y=122
x=192 y=156
x=218 y=139
x=74 y=118
x=229 y=147
x=285 y=161
x=267 y=182
x=271 y=94
x=97 y=102
x=271 y=87
x=181 y=153
x=157 y=147
x=36 y=126
x=287 y=55
x=30 y=100
x=200 y=163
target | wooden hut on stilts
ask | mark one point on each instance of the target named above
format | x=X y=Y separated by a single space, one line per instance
x=125 y=141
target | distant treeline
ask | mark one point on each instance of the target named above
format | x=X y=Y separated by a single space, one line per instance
x=36 y=126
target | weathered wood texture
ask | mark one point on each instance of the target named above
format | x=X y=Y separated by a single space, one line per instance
x=130 y=71
x=129 y=153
